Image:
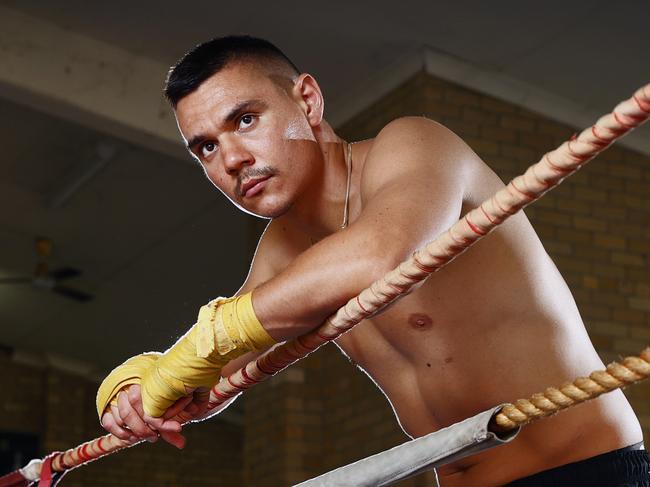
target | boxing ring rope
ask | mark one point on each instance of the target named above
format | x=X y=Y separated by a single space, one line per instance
x=543 y=404
x=539 y=178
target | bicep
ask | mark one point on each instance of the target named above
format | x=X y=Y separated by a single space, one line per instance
x=414 y=183
x=273 y=253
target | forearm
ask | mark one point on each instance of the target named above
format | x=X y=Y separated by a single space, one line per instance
x=322 y=279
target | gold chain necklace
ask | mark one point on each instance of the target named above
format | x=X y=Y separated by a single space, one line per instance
x=348 y=163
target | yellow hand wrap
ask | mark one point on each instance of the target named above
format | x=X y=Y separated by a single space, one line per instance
x=225 y=329
x=129 y=373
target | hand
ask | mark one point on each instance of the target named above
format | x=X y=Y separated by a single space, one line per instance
x=226 y=328
x=127 y=420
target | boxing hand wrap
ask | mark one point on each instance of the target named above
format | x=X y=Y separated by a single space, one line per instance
x=129 y=373
x=225 y=329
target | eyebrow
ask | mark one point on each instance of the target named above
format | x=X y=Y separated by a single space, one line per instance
x=232 y=115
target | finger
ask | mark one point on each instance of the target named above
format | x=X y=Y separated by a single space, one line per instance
x=134 y=393
x=188 y=414
x=115 y=412
x=109 y=424
x=200 y=402
x=192 y=409
x=132 y=419
x=135 y=398
x=177 y=407
x=202 y=398
x=183 y=417
x=170 y=425
x=154 y=423
x=173 y=438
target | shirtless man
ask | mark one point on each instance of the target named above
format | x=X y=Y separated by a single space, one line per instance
x=496 y=325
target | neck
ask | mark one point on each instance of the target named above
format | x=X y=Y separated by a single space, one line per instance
x=318 y=212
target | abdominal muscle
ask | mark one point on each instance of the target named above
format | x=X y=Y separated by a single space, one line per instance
x=497 y=325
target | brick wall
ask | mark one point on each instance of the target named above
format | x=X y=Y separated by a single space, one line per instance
x=59 y=408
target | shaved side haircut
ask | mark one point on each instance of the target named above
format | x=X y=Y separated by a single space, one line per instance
x=208 y=58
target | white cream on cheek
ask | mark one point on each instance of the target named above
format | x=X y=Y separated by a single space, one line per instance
x=297 y=129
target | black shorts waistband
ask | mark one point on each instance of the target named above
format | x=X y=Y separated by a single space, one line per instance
x=628 y=466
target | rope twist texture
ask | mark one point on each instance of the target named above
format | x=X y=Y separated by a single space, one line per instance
x=541 y=405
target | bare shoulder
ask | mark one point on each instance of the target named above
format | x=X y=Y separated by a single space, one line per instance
x=413 y=135
x=410 y=148
x=410 y=124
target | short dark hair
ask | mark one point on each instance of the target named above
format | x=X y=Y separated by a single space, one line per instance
x=210 y=57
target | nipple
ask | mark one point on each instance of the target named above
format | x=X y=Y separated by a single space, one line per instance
x=420 y=321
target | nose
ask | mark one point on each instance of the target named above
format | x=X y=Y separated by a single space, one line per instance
x=235 y=156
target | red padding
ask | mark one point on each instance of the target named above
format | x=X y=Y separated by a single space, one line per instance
x=13 y=479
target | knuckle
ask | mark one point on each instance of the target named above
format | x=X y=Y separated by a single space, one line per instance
x=120 y=433
x=127 y=414
x=123 y=406
x=117 y=419
x=133 y=395
x=140 y=430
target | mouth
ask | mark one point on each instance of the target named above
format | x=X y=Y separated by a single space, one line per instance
x=253 y=186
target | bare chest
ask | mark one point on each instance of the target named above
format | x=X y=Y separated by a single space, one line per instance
x=418 y=331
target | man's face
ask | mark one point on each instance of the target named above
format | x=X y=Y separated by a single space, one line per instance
x=251 y=137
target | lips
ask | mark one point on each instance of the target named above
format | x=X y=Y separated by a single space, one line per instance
x=253 y=186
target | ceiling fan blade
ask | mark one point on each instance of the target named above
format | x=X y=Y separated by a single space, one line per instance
x=72 y=293
x=16 y=280
x=64 y=273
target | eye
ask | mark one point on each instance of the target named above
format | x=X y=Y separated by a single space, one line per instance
x=208 y=148
x=246 y=121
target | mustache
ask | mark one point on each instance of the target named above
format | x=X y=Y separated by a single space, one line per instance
x=253 y=173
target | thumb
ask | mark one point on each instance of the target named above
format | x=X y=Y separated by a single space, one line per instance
x=173 y=438
x=177 y=407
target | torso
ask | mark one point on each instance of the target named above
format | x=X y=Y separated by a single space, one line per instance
x=496 y=325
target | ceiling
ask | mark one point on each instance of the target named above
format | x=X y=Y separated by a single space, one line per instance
x=591 y=51
x=153 y=238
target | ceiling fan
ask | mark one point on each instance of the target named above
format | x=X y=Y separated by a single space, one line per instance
x=49 y=280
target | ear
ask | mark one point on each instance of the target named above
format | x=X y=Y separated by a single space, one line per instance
x=310 y=98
